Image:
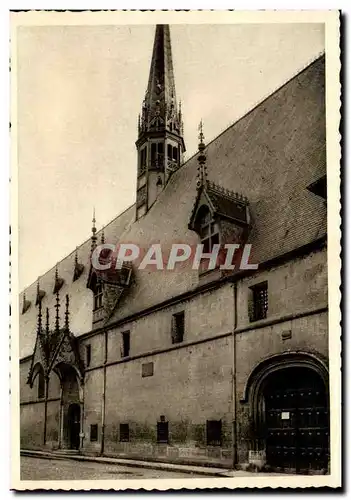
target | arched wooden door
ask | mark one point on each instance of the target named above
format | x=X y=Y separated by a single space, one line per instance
x=296 y=414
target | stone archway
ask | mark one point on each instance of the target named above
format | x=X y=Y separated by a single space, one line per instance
x=288 y=398
x=70 y=406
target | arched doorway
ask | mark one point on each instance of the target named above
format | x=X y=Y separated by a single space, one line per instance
x=296 y=420
x=288 y=396
x=73 y=422
x=71 y=402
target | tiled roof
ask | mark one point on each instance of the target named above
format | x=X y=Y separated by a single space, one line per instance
x=271 y=155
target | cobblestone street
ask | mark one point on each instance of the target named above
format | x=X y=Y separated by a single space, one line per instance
x=43 y=469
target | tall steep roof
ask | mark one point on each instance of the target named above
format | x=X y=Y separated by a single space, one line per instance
x=271 y=155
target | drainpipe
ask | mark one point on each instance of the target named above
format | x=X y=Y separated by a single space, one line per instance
x=104 y=400
x=46 y=407
x=235 y=446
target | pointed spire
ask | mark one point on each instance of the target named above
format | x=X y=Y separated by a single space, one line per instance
x=202 y=170
x=67 y=313
x=57 y=307
x=160 y=121
x=159 y=111
x=93 y=231
x=76 y=257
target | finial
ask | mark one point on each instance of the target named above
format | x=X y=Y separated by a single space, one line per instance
x=39 y=318
x=57 y=307
x=40 y=293
x=93 y=230
x=67 y=313
x=47 y=322
x=201 y=134
x=56 y=274
x=78 y=268
x=202 y=171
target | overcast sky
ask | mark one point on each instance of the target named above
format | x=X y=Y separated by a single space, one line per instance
x=80 y=90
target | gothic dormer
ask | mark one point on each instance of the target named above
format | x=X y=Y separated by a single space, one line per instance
x=160 y=141
x=107 y=284
x=219 y=216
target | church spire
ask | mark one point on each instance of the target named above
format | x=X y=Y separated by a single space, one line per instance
x=160 y=141
x=160 y=104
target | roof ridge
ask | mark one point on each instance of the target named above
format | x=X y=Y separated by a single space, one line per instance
x=309 y=63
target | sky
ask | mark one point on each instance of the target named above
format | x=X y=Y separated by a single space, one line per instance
x=79 y=92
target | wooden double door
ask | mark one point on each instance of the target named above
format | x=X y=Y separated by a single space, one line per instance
x=296 y=420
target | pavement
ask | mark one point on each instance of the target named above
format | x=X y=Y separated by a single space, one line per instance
x=194 y=470
x=55 y=469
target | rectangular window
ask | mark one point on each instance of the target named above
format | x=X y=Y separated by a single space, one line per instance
x=178 y=327
x=162 y=432
x=93 y=432
x=88 y=354
x=258 y=302
x=125 y=343
x=124 y=433
x=98 y=296
x=147 y=370
x=214 y=432
x=175 y=153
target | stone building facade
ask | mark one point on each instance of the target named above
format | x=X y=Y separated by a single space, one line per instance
x=196 y=366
